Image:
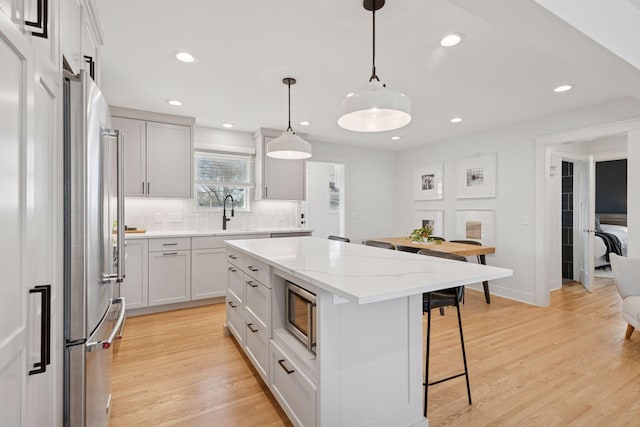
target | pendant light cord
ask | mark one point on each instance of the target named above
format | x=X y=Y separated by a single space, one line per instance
x=373 y=68
x=289 y=86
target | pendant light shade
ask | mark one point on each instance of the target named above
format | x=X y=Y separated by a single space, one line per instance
x=289 y=146
x=376 y=109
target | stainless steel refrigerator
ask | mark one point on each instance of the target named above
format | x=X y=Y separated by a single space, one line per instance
x=93 y=253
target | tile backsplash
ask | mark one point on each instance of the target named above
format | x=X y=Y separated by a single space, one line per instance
x=182 y=214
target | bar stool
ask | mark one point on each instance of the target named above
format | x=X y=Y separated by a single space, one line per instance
x=482 y=259
x=441 y=299
x=378 y=244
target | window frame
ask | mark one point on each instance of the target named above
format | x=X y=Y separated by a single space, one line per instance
x=247 y=185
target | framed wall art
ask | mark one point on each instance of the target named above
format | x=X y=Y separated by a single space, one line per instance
x=476 y=177
x=422 y=218
x=478 y=225
x=427 y=182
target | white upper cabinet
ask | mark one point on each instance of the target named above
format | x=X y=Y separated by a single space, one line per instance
x=158 y=155
x=277 y=179
x=135 y=137
x=168 y=160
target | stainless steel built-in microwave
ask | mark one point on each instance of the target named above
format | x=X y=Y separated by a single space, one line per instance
x=300 y=306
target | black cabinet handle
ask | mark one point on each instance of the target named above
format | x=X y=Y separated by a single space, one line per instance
x=233 y=257
x=287 y=370
x=250 y=283
x=252 y=268
x=233 y=270
x=250 y=326
x=43 y=19
x=231 y=304
x=45 y=329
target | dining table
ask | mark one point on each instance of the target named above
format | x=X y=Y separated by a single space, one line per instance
x=453 y=247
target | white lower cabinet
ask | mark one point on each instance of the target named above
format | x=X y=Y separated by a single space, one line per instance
x=257 y=343
x=235 y=321
x=208 y=273
x=135 y=287
x=169 y=277
x=296 y=393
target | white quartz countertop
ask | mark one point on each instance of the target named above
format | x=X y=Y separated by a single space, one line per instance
x=205 y=233
x=365 y=274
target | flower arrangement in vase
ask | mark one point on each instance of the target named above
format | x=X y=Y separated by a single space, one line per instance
x=421 y=235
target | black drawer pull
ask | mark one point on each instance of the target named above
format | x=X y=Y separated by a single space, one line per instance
x=169 y=253
x=169 y=244
x=233 y=257
x=252 y=268
x=233 y=270
x=287 y=370
x=250 y=283
x=231 y=304
x=250 y=326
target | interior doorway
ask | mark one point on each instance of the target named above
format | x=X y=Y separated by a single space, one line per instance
x=324 y=208
x=550 y=151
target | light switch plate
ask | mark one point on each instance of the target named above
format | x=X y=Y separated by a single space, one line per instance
x=158 y=218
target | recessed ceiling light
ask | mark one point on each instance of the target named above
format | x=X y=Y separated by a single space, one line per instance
x=395 y=138
x=456 y=120
x=174 y=102
x=563 y=88
x=227 y=125
x=305 y=123
x=451 y=39
x=186 y=57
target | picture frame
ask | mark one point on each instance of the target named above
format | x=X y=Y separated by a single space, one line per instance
x=435 y=218
x=477 y=225
x=427 y=182
x=476 y=177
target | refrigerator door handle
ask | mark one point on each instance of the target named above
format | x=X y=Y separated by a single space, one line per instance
x=116 y=333
x=119 y=256
x=120 y=216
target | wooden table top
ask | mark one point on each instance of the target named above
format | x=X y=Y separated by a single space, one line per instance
x=449 y=247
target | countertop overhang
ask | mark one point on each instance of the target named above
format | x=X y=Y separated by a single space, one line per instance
x=364 y=274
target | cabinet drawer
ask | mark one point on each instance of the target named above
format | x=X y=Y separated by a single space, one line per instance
x=257 y=344
x=295 y=392
x=234 y=317
x=207 y=242
x=236 y=281
x=169 y=244
x=258 y=270
x=235 y=257
x=257 y=299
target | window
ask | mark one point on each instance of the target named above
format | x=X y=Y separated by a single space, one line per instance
x=217 y=175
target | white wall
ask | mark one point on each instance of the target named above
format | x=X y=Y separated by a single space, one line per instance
x=371 y=186
x=515 y=187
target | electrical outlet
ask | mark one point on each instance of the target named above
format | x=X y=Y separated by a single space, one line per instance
x=525 y=220
x=158 y=218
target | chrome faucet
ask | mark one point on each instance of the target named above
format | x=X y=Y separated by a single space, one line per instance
x=224 y=211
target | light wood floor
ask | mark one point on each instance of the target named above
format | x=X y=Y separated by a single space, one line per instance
x=568 y=364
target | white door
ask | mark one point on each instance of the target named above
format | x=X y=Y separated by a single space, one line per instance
x=15 y=111
x=324 y=208
x=586 y=197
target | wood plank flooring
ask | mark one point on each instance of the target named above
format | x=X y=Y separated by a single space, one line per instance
x=568 y=364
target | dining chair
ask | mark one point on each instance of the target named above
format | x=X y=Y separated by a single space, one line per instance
x=441 y=299
x=340 y=239
x=481 y=260
x=407 y=249
x=377 y=244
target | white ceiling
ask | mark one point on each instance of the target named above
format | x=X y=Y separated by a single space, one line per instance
x=245 y=47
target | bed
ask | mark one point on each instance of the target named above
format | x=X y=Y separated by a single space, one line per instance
x=611 y=230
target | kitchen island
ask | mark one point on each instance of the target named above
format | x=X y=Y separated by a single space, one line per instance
x=367 y=365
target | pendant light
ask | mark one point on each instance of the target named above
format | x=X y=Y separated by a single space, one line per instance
x=289 y=146
x=376 y=109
